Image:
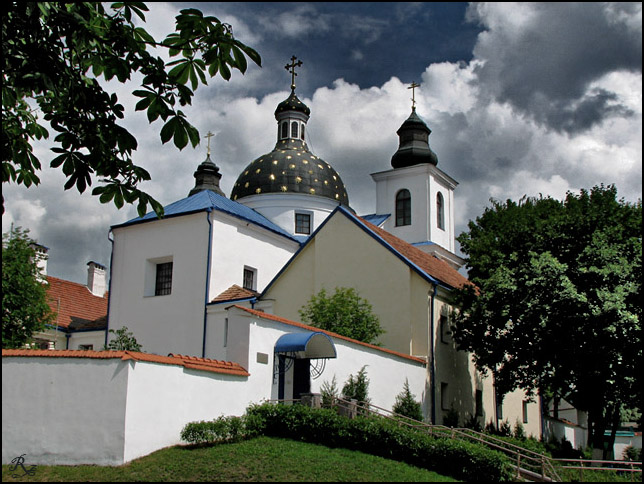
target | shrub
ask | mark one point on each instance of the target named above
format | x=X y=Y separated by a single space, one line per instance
x=329 y=392
x=519 y=431
x=222 y=429
x=358 y=387
x=382 y=437
x=472 y=422
x=406 y=404
x=452 y=417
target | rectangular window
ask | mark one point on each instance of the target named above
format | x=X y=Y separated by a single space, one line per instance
x=303 y=223
x=226 y=333
x=249 y=278
x=479 y=403
x=444 y=329
x=86 y=347
x=525 y=412
x=163 y=284
x=444 y=397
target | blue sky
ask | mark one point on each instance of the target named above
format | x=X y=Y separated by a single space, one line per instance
x=522 y=99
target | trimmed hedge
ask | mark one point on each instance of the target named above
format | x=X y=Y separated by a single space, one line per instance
x=381 y=437
x=222 y=429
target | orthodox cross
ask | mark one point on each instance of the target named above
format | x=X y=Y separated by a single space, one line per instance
x=413 y=94
x=291 y=68
x=209 y=135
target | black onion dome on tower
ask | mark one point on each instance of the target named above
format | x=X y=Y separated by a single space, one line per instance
x=414 y=147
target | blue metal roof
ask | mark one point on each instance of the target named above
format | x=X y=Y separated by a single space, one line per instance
x=309 y=344
x=376 y=219
x=207 y=200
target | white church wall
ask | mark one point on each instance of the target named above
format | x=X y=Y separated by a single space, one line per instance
x=280 y=208
x=424 y=182
x=63 y=411
x=237 y=244
x=167 y=323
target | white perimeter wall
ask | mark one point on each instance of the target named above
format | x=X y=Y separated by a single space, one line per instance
x=69 y=411
x=63 y=410
x=249 y=336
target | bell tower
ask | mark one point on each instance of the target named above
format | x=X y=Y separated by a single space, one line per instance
x=416 y=195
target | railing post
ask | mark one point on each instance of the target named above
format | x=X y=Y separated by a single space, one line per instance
x=543 y=468
x=518 y=466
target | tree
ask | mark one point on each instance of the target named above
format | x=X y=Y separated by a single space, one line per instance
x=407 y=405
x=53 y=56
x=24 y=297
x=124 y=341
x=555 y=306
x=357 y=388
x=345 y=313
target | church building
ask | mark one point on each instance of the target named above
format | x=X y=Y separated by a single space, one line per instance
x=213 y=291
x=286 y=232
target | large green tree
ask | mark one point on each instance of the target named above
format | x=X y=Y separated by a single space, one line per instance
x=53 y=56
x=344 y=312
x=24 y=296
x=556 y=304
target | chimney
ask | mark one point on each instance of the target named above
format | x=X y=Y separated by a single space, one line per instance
x=41 y=260
x=96 y=278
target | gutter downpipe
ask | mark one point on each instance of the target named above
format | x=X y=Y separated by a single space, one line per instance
x=207 y=292
x=432 y=365
x=109 y=288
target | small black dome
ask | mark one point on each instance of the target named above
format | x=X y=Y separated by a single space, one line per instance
x=292 y=103
x=414 y=147
x=290 y=168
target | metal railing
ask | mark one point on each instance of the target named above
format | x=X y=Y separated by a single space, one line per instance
x=619 y=466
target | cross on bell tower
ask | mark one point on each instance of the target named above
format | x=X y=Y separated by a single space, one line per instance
x=209 y=135
x=413 y=87
x=291 y=68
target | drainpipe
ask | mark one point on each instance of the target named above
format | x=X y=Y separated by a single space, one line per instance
x=109 y=288
x=207 y=291
x=432 y=365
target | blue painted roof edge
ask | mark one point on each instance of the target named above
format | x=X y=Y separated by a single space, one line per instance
x=263 y=222
x=370 y=232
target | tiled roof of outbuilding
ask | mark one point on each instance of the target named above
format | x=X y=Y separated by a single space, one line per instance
x=76 y=306
x=235 y=293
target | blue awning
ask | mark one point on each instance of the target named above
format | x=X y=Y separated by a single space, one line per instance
x=306 y=345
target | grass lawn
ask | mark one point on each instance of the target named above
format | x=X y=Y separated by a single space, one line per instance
x=259 y=459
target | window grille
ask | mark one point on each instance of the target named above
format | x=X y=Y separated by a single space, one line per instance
x=163 y=284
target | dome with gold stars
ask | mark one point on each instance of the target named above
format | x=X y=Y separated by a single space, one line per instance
x=290 y=167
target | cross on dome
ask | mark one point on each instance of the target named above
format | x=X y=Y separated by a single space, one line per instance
x=291 y=68
x=413 y=87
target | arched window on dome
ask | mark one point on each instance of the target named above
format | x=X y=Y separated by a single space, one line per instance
x=294 y=129
x=403 y=208
x=302 y=132
x=440 y=211
x=284 y=130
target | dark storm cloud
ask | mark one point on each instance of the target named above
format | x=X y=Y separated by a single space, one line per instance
x=545 y=63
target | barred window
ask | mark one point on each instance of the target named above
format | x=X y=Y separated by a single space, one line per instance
x=249 y=278
x=303 y=223
x=163 y=283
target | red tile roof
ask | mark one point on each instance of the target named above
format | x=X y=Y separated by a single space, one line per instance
x=234 y=293
x=76 y=306
x=278 y=319
x=192 y=362
x=430 y=264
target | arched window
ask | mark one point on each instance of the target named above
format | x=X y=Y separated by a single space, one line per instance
x=302 y=133
x=403 y=208
x=284 y=130
x=293 y=129
x=440 y=211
